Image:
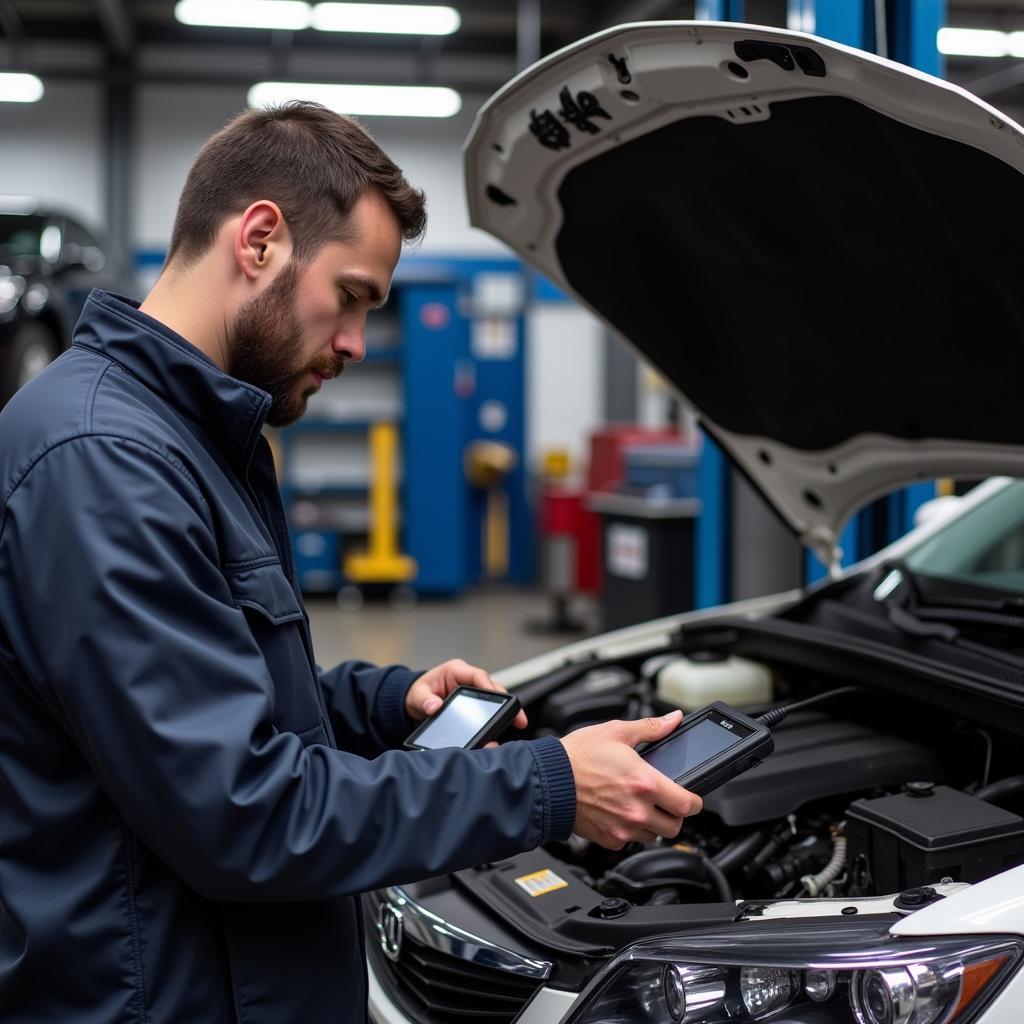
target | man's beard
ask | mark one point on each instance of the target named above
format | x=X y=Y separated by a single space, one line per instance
x=262 y=343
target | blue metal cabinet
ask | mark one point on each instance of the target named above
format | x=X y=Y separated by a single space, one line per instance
x=459 y=389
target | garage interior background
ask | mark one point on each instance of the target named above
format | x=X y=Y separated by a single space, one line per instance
x=546 y=406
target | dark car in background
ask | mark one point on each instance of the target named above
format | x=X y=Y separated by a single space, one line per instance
x=49 y=262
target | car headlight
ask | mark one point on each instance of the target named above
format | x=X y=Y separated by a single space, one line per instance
x=800 y=972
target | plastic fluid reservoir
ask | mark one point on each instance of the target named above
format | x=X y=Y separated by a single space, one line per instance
x=705 y=676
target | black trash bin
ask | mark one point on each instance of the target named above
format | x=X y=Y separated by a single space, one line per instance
x=647 y=556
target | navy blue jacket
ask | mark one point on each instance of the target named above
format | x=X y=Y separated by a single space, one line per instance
x=188 y=805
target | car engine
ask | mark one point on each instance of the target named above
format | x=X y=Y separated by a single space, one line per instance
x=842 y=808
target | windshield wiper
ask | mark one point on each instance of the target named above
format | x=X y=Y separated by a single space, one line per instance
x=909 y=611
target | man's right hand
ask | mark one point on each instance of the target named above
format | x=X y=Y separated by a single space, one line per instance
x=619 y=796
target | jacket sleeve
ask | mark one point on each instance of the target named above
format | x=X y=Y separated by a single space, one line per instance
x=126 y=627
x=367 y=705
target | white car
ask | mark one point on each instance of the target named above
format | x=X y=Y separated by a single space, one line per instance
x=818 y=248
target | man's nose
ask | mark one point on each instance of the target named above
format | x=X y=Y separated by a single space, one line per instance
x=351 y=344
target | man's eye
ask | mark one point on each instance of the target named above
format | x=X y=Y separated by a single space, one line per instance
x=348 y=298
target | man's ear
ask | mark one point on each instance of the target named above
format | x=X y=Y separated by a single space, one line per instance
x=262 y=240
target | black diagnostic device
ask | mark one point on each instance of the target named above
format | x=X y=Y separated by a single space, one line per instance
x=712 y=746
x=468 y=718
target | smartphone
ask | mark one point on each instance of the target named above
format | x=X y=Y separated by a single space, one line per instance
x=468 y=718
x=711 y=746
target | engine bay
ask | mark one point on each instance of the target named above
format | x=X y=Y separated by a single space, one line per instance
x=875 y=795
x=903 y=787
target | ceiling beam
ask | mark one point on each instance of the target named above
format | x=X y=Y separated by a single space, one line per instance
x=117 y=27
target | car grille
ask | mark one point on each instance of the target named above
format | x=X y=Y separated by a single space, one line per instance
x=435 y=987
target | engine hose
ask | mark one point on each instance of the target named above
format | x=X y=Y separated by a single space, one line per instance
x=719 y=881
x=739 y=853
x=666 y=864
x=1001 y=790
x=664 y=897
x=816 y=884
x=614 y=884
x=780 y=839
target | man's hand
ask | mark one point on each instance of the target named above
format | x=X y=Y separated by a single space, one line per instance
x=427 y=694
x=619 y=797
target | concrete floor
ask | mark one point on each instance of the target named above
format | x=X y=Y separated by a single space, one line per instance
x=485 y=626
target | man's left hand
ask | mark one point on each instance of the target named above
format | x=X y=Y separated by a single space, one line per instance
x=427 y=694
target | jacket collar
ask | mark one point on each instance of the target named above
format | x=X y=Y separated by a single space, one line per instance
x=231 y=411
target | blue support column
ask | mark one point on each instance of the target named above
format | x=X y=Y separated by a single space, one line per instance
x=845 y=21
x=850 y=22
x=711 y=562
x=711 y=557
x=915 y=27
x=912 y=27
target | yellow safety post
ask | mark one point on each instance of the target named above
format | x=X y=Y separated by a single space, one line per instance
x=382 y=563
x=487 y=463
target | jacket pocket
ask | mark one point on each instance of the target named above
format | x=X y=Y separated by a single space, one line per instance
x=265 y=589
x=274 y=615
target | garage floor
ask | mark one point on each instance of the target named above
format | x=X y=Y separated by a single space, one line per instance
x=486 y=627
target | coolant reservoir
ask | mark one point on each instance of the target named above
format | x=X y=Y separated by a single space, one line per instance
x=705 y=676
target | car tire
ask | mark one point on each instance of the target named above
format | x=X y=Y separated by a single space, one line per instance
x=33 y=349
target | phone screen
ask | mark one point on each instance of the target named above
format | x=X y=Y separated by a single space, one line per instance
x=458 y=723
x=692 y=747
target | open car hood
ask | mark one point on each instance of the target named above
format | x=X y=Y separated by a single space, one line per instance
x=818 y=247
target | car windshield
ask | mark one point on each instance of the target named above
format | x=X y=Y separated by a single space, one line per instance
x=21 y=234
x=984 y=548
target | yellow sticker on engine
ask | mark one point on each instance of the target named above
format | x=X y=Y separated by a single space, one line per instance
x=540 y=882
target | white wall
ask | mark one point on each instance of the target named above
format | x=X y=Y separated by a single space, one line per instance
x=565 y=394
x=52 y=149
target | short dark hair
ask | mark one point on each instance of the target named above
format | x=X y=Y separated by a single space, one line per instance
x=312 y=162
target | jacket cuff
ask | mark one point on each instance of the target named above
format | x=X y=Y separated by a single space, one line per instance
x=559 y=788
x=391 y=713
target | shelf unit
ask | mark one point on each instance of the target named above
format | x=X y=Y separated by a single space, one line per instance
x=448 y=373
x=324 y=461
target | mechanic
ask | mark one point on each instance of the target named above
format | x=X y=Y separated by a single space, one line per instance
x=190 y=806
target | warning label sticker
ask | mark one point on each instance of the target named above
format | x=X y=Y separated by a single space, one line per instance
x=540 y=882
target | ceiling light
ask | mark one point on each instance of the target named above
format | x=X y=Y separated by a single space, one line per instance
x=1016 y=44
x=273 y=14
x=406 y=19
x=19 y=88
x=973 y=42
x=378 y=100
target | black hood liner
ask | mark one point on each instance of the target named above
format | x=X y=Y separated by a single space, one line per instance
x=829 y=251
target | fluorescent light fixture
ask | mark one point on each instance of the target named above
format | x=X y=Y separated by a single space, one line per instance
x=973 y=42
x=377 y=100
x=406 y=19
x=19 y=88
x=291 y=15
x=1016 y=44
